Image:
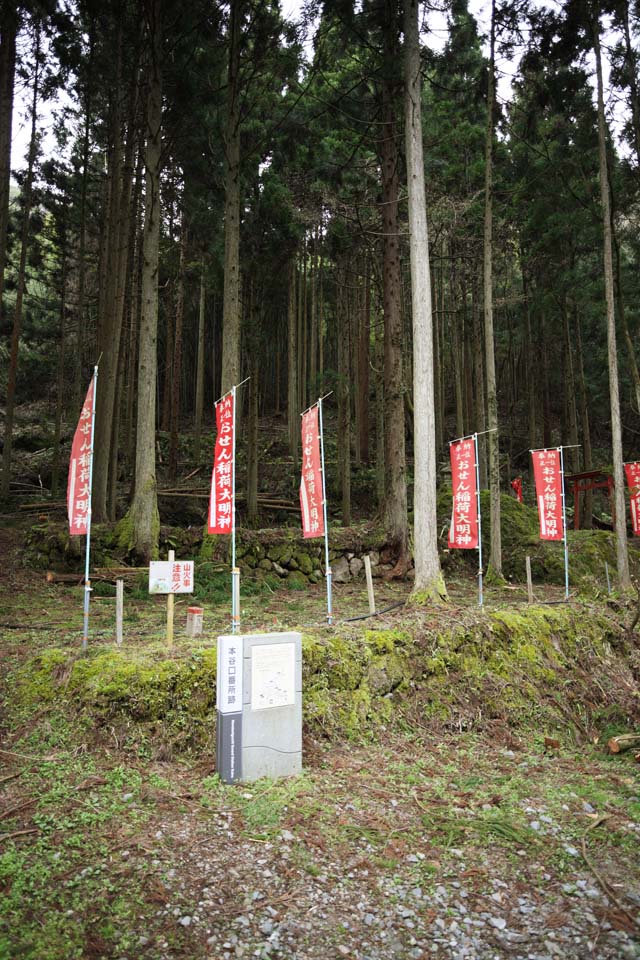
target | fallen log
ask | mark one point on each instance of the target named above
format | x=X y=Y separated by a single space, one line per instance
x=623 y=742
x=101 y=573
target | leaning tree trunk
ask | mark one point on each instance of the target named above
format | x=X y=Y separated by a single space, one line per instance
x=429 y=583
x=231 y=294
x=143 y=516
x=21 y=284
x=622 y=555
x=395 y=511
x=495 y=553
x=8 y=30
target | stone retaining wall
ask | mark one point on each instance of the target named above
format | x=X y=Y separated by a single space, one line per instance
x=289 y=561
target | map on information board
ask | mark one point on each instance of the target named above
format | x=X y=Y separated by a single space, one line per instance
x=273 y=675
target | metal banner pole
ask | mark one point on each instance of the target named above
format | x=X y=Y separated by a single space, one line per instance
x=87 y=582
x=564 y=527
x=326 y=526
x=235 y=573
x=480 y=593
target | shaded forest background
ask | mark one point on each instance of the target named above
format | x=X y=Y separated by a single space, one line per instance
x=227 y=197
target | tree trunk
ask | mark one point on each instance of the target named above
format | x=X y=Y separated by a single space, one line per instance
x=380 y=416
x=82 y=238
x=587 y=460
x=344 y=405
x=55 y=468
x=144 y=518
x=624 y=323
x=8 y=30
x=622 y=556
x=529 y=366
x=200 y=367
x=177 y=356
x=21 y=282
x=231 y=297
x=112 y=300
x=293 y=406
x=429 y=583
x=572 y=459
x=495 y=554
x=478 y=377
x=252 y=417
x=313 y=335
x=363 y=368
x=395 y=513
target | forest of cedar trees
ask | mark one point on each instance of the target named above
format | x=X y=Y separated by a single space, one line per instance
x=429 y=213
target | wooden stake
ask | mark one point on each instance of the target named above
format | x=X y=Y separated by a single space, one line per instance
x=119 y=610
x=170 y=599
x=527 y=561
x=367 y=570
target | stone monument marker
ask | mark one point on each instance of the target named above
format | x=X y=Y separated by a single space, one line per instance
x=259 y=706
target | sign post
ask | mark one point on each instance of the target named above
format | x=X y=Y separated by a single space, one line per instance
x=172 y=556
x=79 y=488
x=171 y=577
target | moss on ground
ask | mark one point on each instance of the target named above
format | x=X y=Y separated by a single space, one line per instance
x=559 y=664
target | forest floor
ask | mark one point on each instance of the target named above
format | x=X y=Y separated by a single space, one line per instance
x=424 y=843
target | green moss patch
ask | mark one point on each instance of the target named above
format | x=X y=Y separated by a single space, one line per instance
x=564 y=667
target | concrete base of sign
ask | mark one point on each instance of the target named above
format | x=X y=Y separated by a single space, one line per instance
x=261 y=734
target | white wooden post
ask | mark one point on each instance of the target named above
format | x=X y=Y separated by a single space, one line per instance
x=170 y=599
x=367 y=570
x=119 y=610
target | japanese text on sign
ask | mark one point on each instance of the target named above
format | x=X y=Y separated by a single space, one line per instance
x=78 y=484
x=632 y=471
x=311 y=504
x=166 y=576
x=546 y=471
x=229 y=680
x=463 y=532
x=222 y=499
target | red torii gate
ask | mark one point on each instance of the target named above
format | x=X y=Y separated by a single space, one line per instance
x=591 y=480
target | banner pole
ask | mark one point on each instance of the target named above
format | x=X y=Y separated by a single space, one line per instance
x=564 y=528
x=235 y=573
x=480 y=590
x=326 y=525
x=87 y=582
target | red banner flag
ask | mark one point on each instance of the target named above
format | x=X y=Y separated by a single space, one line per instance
x=463 y=532
x=311 y=481
x=222 y=499
x=632 y=471
x=546 y=471
x=79 y=482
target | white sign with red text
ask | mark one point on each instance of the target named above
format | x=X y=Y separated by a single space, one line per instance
x=166 y=576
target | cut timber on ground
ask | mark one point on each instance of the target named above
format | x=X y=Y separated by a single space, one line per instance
x=624 y=742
